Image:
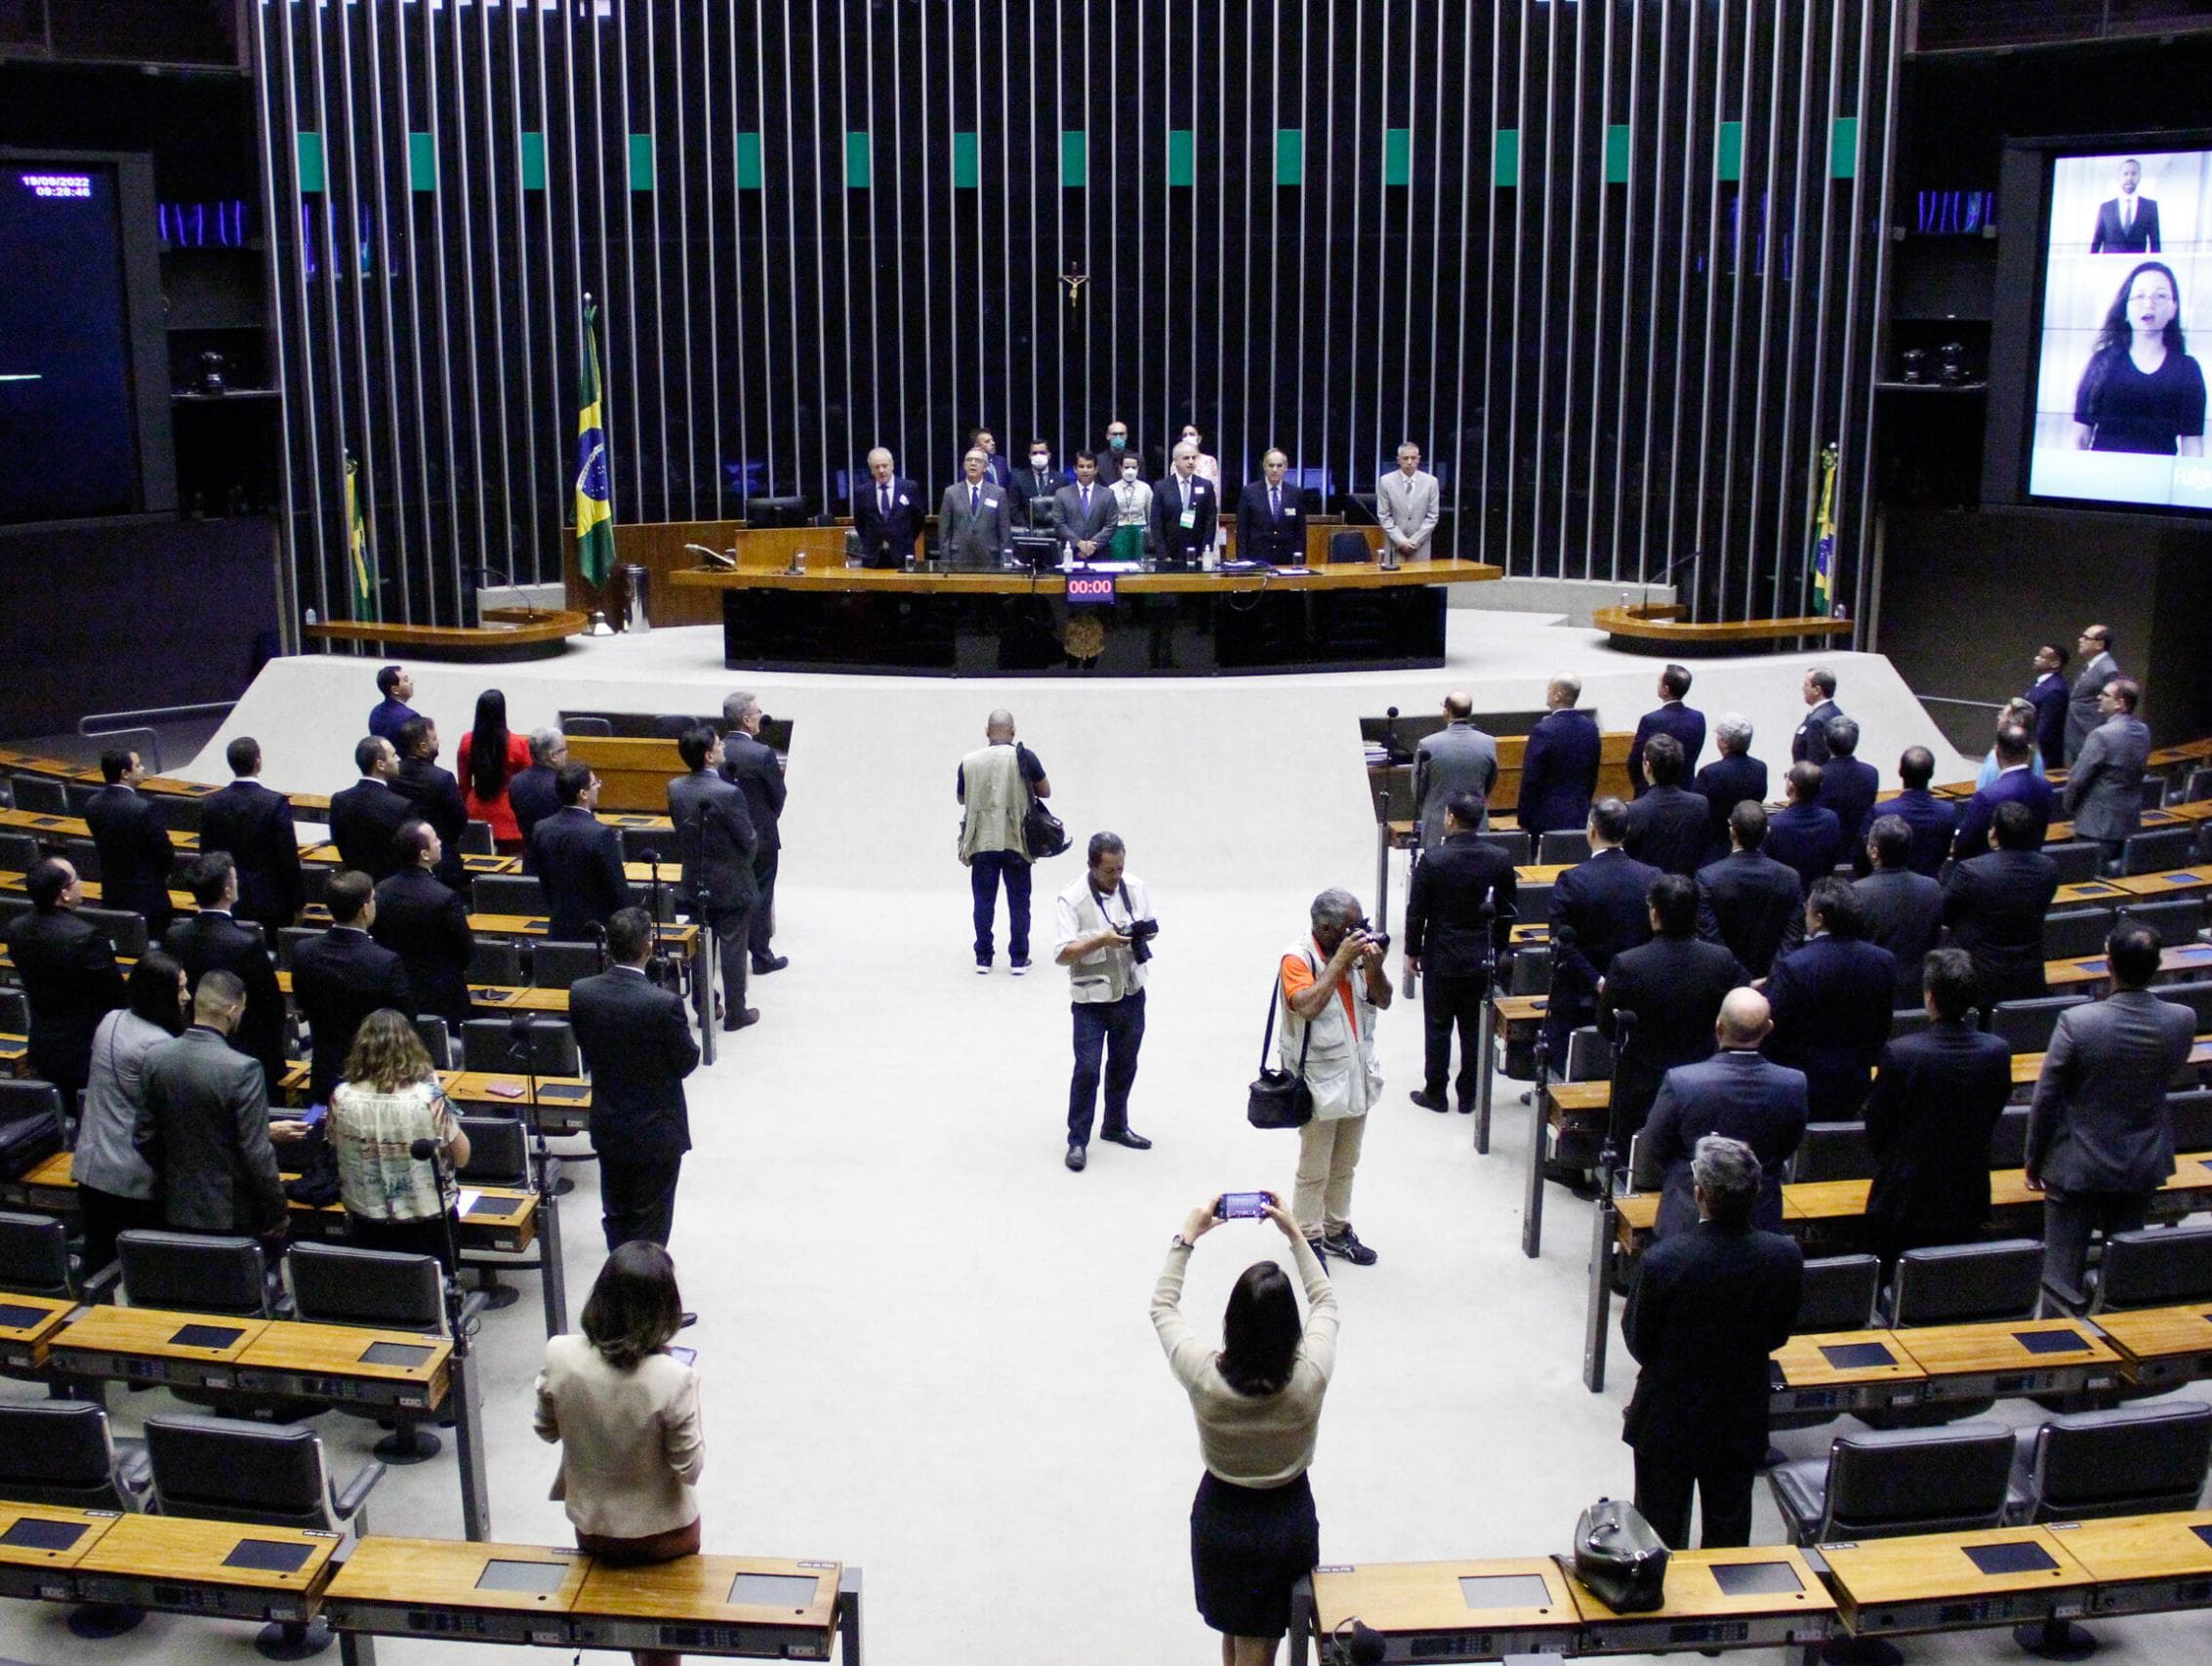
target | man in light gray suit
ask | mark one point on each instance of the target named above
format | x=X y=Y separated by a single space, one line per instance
x=2098 y=1141
x=2104 y=791
x=205 y=1126
x=1086 y=513
x=1458 y=758
x=974 y=525
x=2098 y=667
x=1407 y=501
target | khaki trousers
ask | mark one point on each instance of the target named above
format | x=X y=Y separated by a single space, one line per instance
x=1327 y=1153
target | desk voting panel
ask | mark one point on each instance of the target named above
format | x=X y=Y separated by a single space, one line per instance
x=176 y=1564
x=1956 y=1581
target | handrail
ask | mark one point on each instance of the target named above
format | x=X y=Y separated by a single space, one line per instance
x=139 y=722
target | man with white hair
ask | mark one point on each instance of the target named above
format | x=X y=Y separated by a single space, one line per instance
x=531 y=792
x=1185 y=508
x=886 y=512
x=975 y=529
x=1332 y=986
x=1730 y=779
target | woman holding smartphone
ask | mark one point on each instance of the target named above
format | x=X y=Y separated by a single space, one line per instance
x=1258 y=1401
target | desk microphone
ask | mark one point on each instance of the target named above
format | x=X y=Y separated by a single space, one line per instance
x=1365 y=1647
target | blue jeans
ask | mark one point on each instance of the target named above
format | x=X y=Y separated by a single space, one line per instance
x=983 y=873
x=1111 y=1030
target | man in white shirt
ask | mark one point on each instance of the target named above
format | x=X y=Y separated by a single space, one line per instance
x=1407 y=503
x=1103 y=936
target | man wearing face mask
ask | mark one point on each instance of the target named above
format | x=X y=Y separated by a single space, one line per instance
x=1118 y=444
x=1103 y=936
x=1037 y=483
x=1132 y=511
x=1084 y=514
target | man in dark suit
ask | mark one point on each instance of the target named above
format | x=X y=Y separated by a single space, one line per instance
x=1084 y=512
x=578 y=859
x=213 y=940
x=1902 y=911
x=1667 y=824
x=1672 y=717
x=2016 y=782
x=638 y=1049
x=342 y=977
x=1810 y=744
x=1706 y=1308
x=1559 y=765
x=985 y=444
x=1931 y=821
x=2048 y=695
x=364 y=817
x=887 y=513
x=2098 y=667
x=1674 y=986
x=1848 y=786
x=67 y=967
x=1598 y=909
x=1037 y=483
x=255 y=827
x=1271 y=516
x=2098 y=1141
x=2127 y=221
x=136 y=853
x=531 y=794
x=1936 y=1102
x=205 y=1126
x=1459 y=914
x=751 y=766
x=975 y=521
x=1735 y=1093
x=1185 y=508
x=385 y=716
x=1733 y=778
x=1994 y=905
x=716 y=839
x=423 y=921
x=1747 y=900
x=435 y=795
x=1801 y=835
x=1830 y=999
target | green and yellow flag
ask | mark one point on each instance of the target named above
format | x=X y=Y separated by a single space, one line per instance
x=360 y=563
x=595 y=508
x=1823 y=535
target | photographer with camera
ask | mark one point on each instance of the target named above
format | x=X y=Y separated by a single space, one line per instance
x=1329 y=1021
x=1104 y=938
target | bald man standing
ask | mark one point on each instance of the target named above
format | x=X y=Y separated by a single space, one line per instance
x=1458 y=758
x=1735 y=1093
x=994 y=787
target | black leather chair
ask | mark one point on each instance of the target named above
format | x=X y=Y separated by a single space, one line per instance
x=2157 y=850
x=436 y=1039
x=2176 y=919
x=22 y=1097
x=34 y=1256
x=507 y=893
x=496 y=961
x=273 y=1476
x=2079 y=860
x=1531 y=970
x=14 y=1005
x=82 y=855
x=2188 y=1119
x=1561 y=846
x=288 y=940
x=1838 y=1294
x=12 y=908
x=41 y=795
x=2027 y=1025
x=19 y=852
x=490 y=1044
x=2195 y=787
x=2156 y=1267
x=498 y=1154
x=1518 y=847
x=1833 y=1150
x=1885 y=1483
x=2008 y=1140
x=198 y=1272
x=375 y=1289
x=1967 y=1283
x=1589 y=1056
x=557 y=965
x=2196 y=995
x=2073 y=934
x=62 y=1453
x=477 y=839
x=1910 y=1022
x=1349 y=546
x=598 y=726
x=126 y=930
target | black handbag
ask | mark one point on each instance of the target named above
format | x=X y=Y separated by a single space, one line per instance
x=1041 y=832
x=1619 y=1559
x=1279 y=1099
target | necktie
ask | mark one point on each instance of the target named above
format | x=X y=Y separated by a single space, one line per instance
x=2127 y=213
x=974 y=494
x=887 y=496
x=1275 y=502
x=1087 y=502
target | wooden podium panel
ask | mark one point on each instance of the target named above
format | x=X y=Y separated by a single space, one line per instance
x=181 y=1565
x=1741 y=1598
x=453 y=1588
x=634 y=770
x=27 y=1325
x=719 y=1604
x=333 y=1361
x=2009 y=1356
x=41 y=1543
x=2143 y=1563
x=1955 y=1581
x=1827 y=1372
x=1453 y=1610
x=2160 y=1347
x=154 y=1345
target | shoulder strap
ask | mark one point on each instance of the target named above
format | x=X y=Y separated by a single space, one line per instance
x=1267 y=1035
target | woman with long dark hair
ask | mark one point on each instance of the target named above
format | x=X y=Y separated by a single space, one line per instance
x=2142 y=392
x=1258 y=1401
x=491 y=756
x=625 y=1412
x=115 y=1184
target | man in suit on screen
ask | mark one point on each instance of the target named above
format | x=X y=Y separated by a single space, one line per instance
x=2127 y=224
x=886 y=512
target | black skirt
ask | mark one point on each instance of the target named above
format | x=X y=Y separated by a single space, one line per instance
x=1249 y=1546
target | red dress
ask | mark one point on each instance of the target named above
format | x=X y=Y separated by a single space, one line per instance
x=506 y=831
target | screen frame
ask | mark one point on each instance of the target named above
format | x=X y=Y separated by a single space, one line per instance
x=146 y=330
x=2016 y=323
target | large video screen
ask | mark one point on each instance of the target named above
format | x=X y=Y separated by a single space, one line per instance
x=69 y=430
x=2127 y=315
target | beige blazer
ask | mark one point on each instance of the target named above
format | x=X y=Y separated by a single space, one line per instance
x=630 y=1444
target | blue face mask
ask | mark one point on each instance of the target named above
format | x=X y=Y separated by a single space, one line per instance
x=1117 y=442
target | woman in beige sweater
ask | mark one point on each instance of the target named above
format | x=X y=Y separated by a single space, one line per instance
x=626 y=1413
x=1257 y=1399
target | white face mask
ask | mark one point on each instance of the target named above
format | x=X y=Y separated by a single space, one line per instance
x=1130 y=473
x=1040 y=460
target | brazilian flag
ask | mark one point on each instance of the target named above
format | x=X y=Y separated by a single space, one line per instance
x=595 y=507
x=1824 y=536
x=360 y=564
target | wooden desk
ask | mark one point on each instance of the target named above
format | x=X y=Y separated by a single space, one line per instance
x=507 y=635
x=46 y=1188
x=183 y=1565
x=1977 y=1362
x=1933 y=1581
x=153 y=1345
x=451 y=1588
x=1449 y=1610
x=15 y=1054
x=2172 y=882
x=2144 y=1564
x=1823 y=1373
x=2190 y=959
x=1701 y=1610
x=2160 y=1347
x=634 y=771
x=562 y=1106
x=17 y=883
x=714 y=1605
x=27 y=1325
x=40 y=1544
x=48 y=830
x=333 y=1361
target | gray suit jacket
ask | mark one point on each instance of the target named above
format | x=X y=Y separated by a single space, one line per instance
x=2082 y=714
x=205 y=1130
x=1408 y=510
x=979 y=539
x=1458 y=758
x=2104 y=791
x=1073 y=524
x=2098 y=1120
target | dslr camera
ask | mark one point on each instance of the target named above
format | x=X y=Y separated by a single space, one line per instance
x=1140 y=933
x=1379 y=938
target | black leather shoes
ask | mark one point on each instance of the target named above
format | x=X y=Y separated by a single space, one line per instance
x=1076 y=1157
x=1128 y=1137
x=773 y=964
x=1426 y=1100
x=743 y=1020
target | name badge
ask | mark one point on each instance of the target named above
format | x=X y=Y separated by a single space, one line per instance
x=1190 y=518
x=905 y=501
x=989 y=502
